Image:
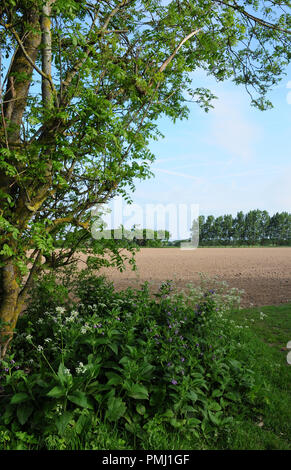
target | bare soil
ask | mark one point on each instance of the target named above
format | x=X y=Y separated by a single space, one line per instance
x=263 y=273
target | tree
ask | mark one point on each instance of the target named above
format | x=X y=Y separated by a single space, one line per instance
x=219 y=235
x=83 y=83
x=239 y=228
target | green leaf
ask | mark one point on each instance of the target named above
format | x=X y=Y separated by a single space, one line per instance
x=217 y=393
x=19 y=398
x=114 y=379
x=81 y=424
x=214 y=418
x=139 y=392
x=116 y=409
x=23 y=412
x=213 y=406
x=193 y=396
x=141 y=409
x=80 y=399
x=193 y=422
x=168 y=414
x=61 y=374
x=113 y=347
x=177 y=423
x=62 y=421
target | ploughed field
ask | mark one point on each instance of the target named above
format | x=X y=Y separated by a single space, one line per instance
x=263 y=273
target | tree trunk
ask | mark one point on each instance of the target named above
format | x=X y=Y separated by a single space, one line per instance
x=9 y=305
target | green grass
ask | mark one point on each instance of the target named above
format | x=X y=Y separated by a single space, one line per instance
x=266 y=337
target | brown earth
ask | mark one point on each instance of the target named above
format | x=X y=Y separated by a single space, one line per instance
x=263 y=273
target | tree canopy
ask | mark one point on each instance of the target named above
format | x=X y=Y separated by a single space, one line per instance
x=256 y=227
x=82 y=86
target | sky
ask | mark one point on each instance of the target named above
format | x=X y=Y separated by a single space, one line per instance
x=232 y=158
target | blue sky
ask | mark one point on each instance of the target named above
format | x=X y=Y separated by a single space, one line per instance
x=232 y=158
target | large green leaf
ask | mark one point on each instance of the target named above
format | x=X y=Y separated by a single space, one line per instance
x=24 y=411
x=63 y=420
x=138 y=391
x=80 y=399
x=56 y=392
x=19 y=398
x=116 y=409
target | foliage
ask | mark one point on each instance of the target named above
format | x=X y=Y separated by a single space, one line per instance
x=141 y=366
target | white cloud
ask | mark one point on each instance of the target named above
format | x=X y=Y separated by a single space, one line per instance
x=183 y=175
x=277 y=193
x=230 y=129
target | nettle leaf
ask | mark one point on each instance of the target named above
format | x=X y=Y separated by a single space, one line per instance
x=116 y=409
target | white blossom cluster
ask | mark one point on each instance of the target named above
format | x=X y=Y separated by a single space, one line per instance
x=81 y=369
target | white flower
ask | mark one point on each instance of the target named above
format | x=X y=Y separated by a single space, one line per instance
x=69 y=319
x=81 y=369
x=39 y=348
x=59 y=409
x=60 y=310
x=28 y=337
x=47 y=340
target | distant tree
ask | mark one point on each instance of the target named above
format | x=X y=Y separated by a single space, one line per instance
x=256 y=227
x=218 y=230
x=227 y=228
x=239 y=228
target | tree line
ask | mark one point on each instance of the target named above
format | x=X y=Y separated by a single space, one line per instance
x=256 y=227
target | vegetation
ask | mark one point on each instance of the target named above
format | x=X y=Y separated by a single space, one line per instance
x=125 y=370
x=83 y=86
x=254 y=228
